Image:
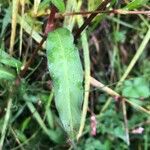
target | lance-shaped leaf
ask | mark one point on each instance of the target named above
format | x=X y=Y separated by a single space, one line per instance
x=66 y=71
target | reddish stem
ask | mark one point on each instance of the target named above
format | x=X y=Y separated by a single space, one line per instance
x=50 y=23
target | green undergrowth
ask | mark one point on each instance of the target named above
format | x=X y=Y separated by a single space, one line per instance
x=114 y=47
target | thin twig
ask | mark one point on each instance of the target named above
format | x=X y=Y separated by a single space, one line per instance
x=16 y=138
x=125 y=121
x=48 y=28
x=101 y=7
x=136 y=57
x=87 y=75
x=6 y=122
x=113 y=93
x=31 y=59
x=114 y=11
x=87 y=13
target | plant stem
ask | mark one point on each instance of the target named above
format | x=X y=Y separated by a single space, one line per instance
x=114 y=11
x=125 y=121
x=112 y=93
x=49 y=27
x=6 y=121
x=15 y=4
x=87 y=75
x=102 y=6
x=136 y=56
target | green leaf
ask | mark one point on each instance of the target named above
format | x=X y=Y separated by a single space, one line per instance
x=6 y=73
x=25 y=123
x=119 y=36
x=135 y=4
x=119 y=132
x=136 y=88
x=59 y=4
x=93 y=144
x=6 y=59
x=6 y=20
x=67 y=75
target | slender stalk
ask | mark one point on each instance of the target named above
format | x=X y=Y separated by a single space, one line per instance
x=21 y=28
x=49 y=27
x=114 y=11
x=29 y=62
x=102 y=6
x=125 y=121
x=86 y=61
x=87 y=75
x=136 y=56
x=16 y=138
x=6 y=121
x=15 y=4
x=113 y=93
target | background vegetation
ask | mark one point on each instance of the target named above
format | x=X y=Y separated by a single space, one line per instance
x=117 y=43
